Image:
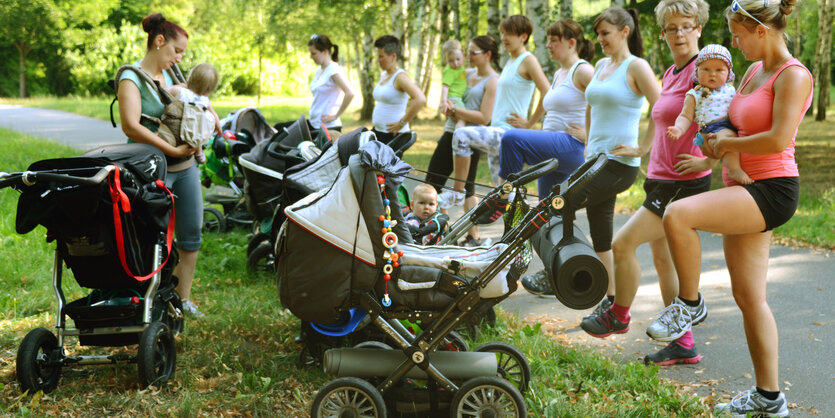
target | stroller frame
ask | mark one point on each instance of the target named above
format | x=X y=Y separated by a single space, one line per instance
x=418 y=349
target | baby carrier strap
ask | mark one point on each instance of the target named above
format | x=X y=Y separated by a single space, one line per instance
x=164 y=97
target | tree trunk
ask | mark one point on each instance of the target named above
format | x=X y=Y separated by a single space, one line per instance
x=493 y=20
x=430 y=54
x=420 y=17
x=455 y=8
x=472 y=19
x=537 y=11
x=823 y=56
x=618 y=3
x=365 y=53
x=22 y=51
x=398 y=29
x=443 y=9
x=567 y=9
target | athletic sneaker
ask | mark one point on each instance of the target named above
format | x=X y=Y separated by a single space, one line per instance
x=449 y=198
x=751 y=402
x=604 y=325
x=673 y=353
x=604 y=306
x=190 y=309
x=471 y=242
x=537 y=283
x=676 y=319
x=495 y=208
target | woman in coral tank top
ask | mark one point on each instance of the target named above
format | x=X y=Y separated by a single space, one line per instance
x=770 y=103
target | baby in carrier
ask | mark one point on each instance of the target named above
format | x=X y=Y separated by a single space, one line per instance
x=202 y=81
x=425 y=223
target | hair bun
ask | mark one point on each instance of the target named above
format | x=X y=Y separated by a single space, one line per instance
x=151 y=22
x=787 y=6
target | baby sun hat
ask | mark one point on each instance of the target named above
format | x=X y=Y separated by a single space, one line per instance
x=715 y=51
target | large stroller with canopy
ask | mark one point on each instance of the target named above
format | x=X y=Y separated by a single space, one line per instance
x=372 y=266
x=112 y=220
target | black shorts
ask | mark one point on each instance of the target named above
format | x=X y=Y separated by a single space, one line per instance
x=661 y=193
x=777 y=199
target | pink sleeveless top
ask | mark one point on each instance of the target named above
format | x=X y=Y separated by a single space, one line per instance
x=752 y=113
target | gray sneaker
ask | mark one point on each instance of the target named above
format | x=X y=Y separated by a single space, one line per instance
x=751 y=402
x=537 y=283
x=190 y=309
x=604 y=306
x=676 y=319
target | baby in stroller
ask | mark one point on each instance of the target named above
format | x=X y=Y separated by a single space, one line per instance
x=425 y=223
x=111 y=217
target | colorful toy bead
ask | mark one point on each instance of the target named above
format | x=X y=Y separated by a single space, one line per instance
x=382 y=218
x=380 y=179
x=387 y=277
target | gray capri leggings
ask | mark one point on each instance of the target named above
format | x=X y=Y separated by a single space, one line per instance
x=188 y=207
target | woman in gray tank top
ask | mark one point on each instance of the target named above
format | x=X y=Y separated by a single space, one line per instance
x=483 y=54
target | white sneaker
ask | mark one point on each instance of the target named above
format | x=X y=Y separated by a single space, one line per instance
x=751 y=403
x=449 y=198
x=673 y=321
x=190 y=309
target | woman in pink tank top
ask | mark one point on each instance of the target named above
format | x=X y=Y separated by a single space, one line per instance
x=767 y=110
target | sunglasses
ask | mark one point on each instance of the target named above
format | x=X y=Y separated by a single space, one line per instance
x=737 y=8
x=480 y=51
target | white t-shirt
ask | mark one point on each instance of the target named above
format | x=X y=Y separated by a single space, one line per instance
x=390 y=104
x=326 y=95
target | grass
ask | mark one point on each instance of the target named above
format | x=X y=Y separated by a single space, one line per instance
x=241 y=358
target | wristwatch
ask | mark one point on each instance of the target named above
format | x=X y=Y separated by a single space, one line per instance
x=403 y=122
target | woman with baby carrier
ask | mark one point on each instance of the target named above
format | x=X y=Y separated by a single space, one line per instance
x=166 y=44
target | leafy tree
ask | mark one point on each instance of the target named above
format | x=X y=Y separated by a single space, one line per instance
x=27 y=25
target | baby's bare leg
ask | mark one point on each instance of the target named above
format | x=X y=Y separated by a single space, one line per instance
x=735 y=172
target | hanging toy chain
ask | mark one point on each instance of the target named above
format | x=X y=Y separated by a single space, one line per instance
x=389 y=241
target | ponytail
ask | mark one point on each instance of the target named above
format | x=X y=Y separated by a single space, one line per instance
x=636 y=42
x=323 y=43
x=585 y=50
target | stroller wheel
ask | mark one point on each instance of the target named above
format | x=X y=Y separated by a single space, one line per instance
x=261 y=259
x=487 y=396
x=157 y=356
x=513 y=365
x=213 y=221
x=348 y=397
x=34 y=370
x=455 y=342
x=257 y=239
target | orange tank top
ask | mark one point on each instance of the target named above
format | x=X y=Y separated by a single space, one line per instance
x=752 y=113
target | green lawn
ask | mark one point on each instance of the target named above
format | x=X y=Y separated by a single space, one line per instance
x=241 y=358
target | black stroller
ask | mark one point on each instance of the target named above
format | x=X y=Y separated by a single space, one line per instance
x=242 y=130
x=111 y=217
x=356 y=227
x=280 y=172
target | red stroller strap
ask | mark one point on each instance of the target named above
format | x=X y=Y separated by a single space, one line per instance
x=120 y=198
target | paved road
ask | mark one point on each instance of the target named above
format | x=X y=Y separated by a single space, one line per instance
x=67 y=128
x=801 y=290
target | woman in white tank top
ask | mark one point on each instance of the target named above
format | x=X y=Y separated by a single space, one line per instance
x=327 y=85
x=393 y=110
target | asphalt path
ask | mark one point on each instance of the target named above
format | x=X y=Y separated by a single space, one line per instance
x=801 y=288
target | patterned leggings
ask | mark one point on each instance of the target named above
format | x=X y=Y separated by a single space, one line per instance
x=488 y=139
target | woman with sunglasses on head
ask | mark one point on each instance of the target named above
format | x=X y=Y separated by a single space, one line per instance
x=397 y=98
x=615 y=96
x=772 y=98
x=677 y=169
x=327 y=85
x=483 y=56
x=166 y=44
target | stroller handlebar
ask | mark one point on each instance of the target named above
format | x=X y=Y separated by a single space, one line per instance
x=534 y=172
x=30 y=178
